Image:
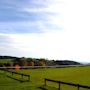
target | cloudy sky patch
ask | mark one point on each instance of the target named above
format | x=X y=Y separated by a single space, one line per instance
x=53 y=29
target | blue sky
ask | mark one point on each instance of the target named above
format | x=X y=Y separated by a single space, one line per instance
x=53 y=29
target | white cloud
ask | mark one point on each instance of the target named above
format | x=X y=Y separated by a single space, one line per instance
x=51 y=8
x=70 y=43
x=54 y=11
x=52 y=45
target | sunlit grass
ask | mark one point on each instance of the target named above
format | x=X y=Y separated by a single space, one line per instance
x=77 y=75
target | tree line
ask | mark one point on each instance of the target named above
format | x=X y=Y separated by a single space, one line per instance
x=22 y=61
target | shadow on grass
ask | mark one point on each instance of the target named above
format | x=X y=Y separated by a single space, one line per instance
x=47 y=88
x=20 y=80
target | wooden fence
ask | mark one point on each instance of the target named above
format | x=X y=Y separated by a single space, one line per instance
x=21 y=74
x=71 y=84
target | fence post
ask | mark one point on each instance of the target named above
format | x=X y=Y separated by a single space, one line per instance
x=45 y=82
x=59 y=86
x=22 y=76
x=78 y=86
x=29 y=78
x=12 y=73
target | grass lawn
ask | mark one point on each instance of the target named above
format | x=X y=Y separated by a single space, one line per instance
x=77 y=75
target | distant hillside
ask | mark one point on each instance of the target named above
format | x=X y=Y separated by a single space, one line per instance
x=66 y=62
x=12 y=61
x=7 y=57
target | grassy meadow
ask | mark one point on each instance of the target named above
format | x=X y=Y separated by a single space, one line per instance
x=77 y=75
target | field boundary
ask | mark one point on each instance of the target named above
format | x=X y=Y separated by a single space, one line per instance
x=57 y=66
x=71 y=84
x=21 y=74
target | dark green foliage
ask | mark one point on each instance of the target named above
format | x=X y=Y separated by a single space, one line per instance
x=7 y=57
x=22 y=61
x=67 y=62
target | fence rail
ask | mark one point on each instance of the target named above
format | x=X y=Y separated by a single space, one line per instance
x=13 y=72
x=71 y=84
x=58 y=66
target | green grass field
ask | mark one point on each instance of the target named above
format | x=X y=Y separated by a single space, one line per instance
x=77 y=75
